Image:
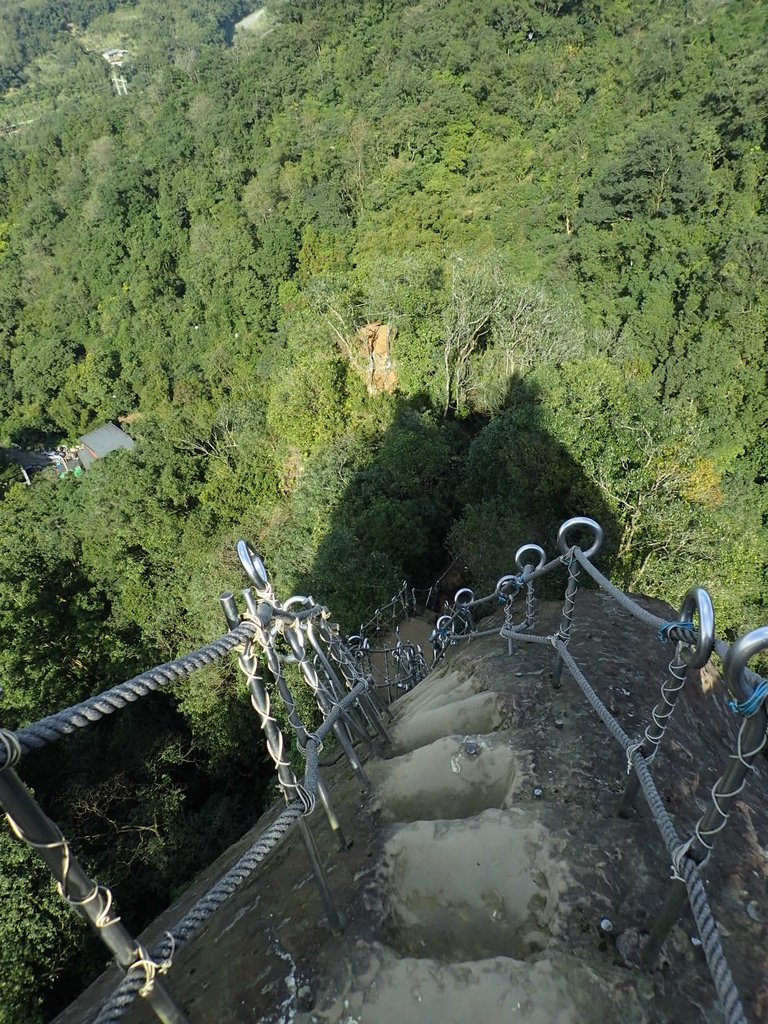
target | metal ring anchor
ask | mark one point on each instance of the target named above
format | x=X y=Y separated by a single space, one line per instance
x=502 y=587
x=254 y=567
x=698 y=600
x=457 y=597
x=588 y=524
x=742 y=651
x=520 y=557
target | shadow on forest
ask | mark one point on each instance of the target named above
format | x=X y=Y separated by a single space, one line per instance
x=430 y=492
x=439 y=491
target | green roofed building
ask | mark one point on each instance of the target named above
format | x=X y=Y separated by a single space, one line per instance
x=101 y=441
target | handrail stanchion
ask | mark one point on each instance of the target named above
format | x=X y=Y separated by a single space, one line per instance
x=339 y=686
x=751 y=740
x=349 y=690
x=574 y=570
x=697 y=600
x=275 y=746
x=31 y=825
x=368 y=703
x=296 y=640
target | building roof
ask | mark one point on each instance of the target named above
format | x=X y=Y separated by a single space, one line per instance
x=106 y=439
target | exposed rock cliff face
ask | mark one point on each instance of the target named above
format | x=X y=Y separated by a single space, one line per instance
x=375 y=345
x=486 y=856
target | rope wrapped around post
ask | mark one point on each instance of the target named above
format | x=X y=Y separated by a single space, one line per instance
x=300 y=619
x=693 y=886
x=751 y=740
x=694 y=647
x=94 y=901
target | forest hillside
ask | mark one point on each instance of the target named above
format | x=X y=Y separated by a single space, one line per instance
x=381 y=286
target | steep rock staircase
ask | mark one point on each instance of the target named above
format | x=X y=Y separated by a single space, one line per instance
x=488 y=873
x=506 y=885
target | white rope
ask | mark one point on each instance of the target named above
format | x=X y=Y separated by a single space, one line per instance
x=58 y=844
x=634 y=748
x=151 y=967
x=103 y=918
x=677 y=859
x=717 y=796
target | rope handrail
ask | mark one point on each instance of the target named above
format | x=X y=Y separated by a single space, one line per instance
x=721 y=648
x=694 y=646
x=180 y=934
x=350 y=693
x=177 y=937
x=705 y=922
x=62 y=723
x=342 y=678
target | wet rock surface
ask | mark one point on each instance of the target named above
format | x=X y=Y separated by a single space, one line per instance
x=490 y=875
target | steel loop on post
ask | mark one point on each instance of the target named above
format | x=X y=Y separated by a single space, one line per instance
x=564 y=632
x=530 y=549
x=507 y=586
x=751 y=740
x=740 y=653
x=526 y=567
x=696 y=601
x=441 y=637
x=254 y=568
x=585 y=523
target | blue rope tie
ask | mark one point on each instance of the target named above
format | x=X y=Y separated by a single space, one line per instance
x=665 y=627
x=751 y=704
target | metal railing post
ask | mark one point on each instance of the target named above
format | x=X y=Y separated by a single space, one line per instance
x=751 y=740
x=574 y=570
x=94 y=902
x=288 y=782
x=697 y=600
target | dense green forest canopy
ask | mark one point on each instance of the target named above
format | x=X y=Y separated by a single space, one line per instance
x=561 y=209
